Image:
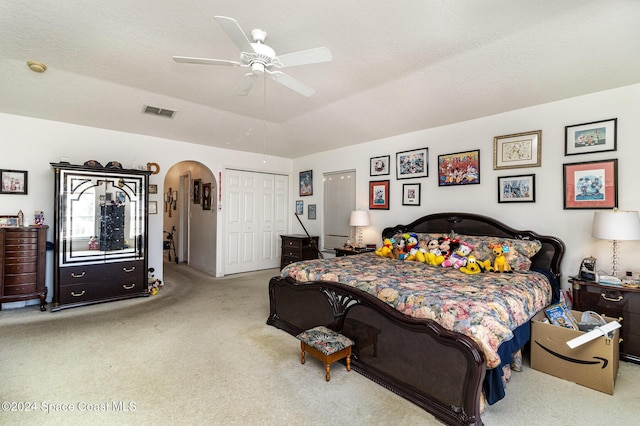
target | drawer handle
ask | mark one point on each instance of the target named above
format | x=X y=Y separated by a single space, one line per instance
x=73 y=293
x=611 y=299
x=128 y=288
x=133 y=268
x=78 y=275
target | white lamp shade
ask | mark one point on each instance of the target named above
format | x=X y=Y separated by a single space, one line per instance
x=359 y=218
x=616 y=225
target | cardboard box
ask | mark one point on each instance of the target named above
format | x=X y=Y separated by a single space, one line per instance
x=593 y=364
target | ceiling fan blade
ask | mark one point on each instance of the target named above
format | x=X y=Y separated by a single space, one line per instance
x=303 y=57
x=235 y=32
x=246 y=84
x=205 y=61
x=293 y=84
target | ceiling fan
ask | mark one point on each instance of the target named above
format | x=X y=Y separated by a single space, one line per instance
x=261 y=58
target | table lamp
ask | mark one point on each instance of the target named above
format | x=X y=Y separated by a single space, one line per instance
x=359 y=219
x=616 y=225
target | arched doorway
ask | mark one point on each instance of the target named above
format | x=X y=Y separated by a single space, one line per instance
x=190 y=207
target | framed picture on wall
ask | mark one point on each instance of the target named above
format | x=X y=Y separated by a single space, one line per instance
x=412 y=164
x=517 y=189
x=379 y=195
x=197 y=190
x=153 y=188
x=206 y=196
x=312 y=211
x=411 y=194
x=299 y=207
x=517 y=150
x=597 y=136
x=306 y=183
x=461 y=168
x=379 y=166
x=153 y=207
x=13 y=182
x=591 y=185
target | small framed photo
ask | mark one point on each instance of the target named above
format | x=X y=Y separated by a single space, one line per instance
x=597 y=136
x=379 y=195
x=311 y=211
x=517 y=150
x=461 y=168
x=6 y=221
x=411 y=194
x=517 y=189
x=299 y=207
x=306 y=183
x=13 y=182
x=412 y=164
x=197 y=191
x=591 y=185
x=379 y=165
x=153 y=188
x=153 y=207
x=206 y=196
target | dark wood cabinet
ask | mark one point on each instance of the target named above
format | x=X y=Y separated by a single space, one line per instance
x=101 y=234
x=23 y=264
x=296 y=247
x=618 y=302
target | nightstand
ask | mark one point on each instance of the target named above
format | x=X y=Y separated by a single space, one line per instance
x=344 y=251
x=617 y=302
x=296 y=247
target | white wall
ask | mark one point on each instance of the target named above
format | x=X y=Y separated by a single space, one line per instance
x=545 y=216
x=31 y=144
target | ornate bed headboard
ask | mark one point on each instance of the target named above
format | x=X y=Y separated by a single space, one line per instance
x=547 y=259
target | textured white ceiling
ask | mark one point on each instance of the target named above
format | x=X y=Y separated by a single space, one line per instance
x=397 y=67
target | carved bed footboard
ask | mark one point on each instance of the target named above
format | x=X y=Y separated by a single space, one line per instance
x=439 y=370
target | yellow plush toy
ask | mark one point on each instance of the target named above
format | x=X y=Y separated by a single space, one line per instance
x=387 y=248
x=475 y=266
x=500 y=263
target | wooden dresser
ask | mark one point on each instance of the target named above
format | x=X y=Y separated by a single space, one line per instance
x=23 y=264
x=620 y=303
x=296 y=247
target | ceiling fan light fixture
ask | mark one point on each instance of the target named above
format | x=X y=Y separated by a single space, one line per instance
x=257 y=68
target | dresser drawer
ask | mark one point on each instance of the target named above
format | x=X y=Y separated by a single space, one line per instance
x=292 y=252
x=20 y=268
x=16 y=279
x=292 y=243
x=14 y=290
x=98 y=290
x=133 y=271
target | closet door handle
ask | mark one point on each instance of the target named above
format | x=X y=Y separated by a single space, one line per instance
x=133 y=268
x=78 y=275
x=73 y=293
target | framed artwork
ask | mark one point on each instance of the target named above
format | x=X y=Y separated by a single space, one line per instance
x=153 y=188
x=299 y=207
x=597 y=136
x=306 y=183
x=379 y=165
x=411 y=194
x=412 y=164
x=8 y=221
x=517 y=189
x=591 y=185
x=379 y=194
x=13 y=182
x=460 y=168
x=153 y=207
x=517 y=150
x=197 y=190
x=206 y=196
x=311 y=211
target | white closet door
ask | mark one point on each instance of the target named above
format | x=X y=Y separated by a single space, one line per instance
x=250 y=224
x=233 y=223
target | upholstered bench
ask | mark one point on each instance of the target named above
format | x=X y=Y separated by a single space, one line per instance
x=326 y=345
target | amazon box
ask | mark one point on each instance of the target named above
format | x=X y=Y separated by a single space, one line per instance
x=593 y=364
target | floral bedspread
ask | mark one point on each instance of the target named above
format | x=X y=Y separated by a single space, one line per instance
x=485 y=307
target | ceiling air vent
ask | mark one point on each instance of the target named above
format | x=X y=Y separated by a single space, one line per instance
x=163 y=112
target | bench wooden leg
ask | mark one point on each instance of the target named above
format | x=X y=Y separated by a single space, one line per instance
x=302 y=348
x=348 y=362
x=328 y=375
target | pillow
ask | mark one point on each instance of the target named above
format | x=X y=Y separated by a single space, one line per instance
x=519 y=254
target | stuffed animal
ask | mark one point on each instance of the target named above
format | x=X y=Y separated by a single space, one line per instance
x=421 y=255
x=475 y=266
x=387 y=248
x=500 y=263
x=412 y=247
x=433 y=256
x=400 y=249
x=447 y=246
x=153 y=284
x=459 y=257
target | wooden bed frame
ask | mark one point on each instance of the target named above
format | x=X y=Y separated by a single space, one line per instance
x=439 y=370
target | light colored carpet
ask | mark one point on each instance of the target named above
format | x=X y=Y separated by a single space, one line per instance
x=200 y=353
